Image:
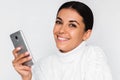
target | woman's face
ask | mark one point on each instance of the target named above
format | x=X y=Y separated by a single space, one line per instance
x=69 y=30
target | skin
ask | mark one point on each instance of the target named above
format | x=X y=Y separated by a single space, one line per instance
x=69 y=32
x=24 y=71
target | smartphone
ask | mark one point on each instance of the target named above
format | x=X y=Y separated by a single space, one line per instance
x=18 y=40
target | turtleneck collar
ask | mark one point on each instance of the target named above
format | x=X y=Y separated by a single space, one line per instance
x=71 y=55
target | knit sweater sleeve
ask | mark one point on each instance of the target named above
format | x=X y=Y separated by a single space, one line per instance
x=97 y=66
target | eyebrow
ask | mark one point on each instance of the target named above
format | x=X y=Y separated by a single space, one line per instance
x=59 y=18
x=69 y=21
x=74 y=21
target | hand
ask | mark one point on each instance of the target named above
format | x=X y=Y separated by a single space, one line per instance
x=24 y=71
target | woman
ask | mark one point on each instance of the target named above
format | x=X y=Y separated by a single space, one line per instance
x=74 y=60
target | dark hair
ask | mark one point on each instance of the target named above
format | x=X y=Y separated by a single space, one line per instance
x=83 y=11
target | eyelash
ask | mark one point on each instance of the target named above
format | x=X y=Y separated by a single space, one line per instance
x=58 y=22
x=72 y=25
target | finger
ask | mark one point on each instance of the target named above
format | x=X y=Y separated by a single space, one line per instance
x=22 y=67
x=24 y=60
x=20 y=61
x=21 y=56
x=15 y=51
x=26 y=68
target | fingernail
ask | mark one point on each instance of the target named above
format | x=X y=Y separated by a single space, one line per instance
x=18 y=48
x=27 y=53
x=30 y=57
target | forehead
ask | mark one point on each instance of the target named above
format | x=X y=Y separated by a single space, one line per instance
x=69 y=13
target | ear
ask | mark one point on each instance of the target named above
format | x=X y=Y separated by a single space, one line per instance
x=87 y=34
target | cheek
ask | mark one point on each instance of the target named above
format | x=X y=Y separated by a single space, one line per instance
x=77 y=35
x=54 y=30
x=74 y=34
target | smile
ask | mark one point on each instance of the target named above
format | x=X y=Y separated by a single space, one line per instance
x=62 y=38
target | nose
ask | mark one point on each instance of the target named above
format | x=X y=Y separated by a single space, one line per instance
x=62 y=29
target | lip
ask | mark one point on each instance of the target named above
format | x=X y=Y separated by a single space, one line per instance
x=62 y=39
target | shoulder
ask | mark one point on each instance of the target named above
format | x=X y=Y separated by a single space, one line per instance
x=96 y=64
x=94 y=49
x=95 y=54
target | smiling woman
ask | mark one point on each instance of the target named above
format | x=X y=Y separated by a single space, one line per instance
x=75 y=60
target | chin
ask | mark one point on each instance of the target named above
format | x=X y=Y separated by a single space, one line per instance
x=63 y=49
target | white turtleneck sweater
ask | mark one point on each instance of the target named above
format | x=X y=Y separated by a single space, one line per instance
x=82 y=63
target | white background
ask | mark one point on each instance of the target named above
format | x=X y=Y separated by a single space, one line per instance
x=36 y=19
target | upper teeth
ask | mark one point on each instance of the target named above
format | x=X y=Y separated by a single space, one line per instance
x=60 y=38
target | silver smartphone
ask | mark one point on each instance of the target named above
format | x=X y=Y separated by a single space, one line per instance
x=18 y=40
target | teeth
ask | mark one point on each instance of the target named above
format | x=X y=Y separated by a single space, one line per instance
x=63 y=39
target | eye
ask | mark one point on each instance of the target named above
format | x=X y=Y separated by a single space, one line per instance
x=58 y=22
x=72 y=25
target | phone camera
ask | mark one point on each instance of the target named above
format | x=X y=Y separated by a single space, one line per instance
x=16 y=37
